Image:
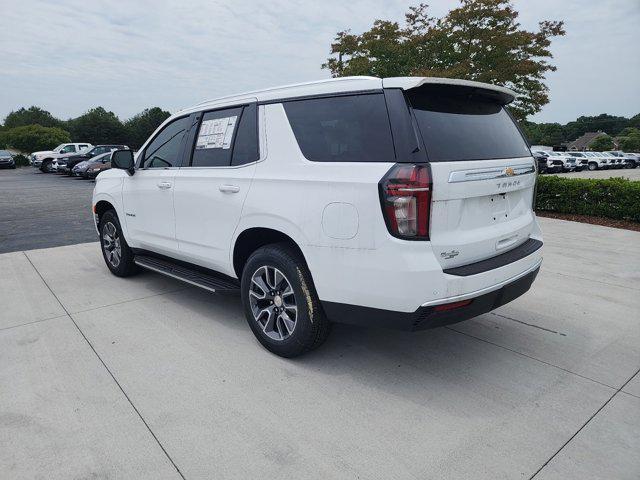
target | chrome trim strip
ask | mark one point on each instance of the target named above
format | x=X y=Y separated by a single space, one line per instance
x=482 y=291
x=162 y=272
x=490 y=173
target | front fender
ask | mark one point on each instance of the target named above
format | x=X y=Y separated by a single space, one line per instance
x=109 y=189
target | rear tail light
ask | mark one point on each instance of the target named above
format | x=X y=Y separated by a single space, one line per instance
x=405 y=194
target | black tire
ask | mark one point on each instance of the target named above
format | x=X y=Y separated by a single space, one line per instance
x=125 y=267
x=45 y=166
x=593 y=166
x=311 y=325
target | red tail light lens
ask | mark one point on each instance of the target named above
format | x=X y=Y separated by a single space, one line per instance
x=405 y=194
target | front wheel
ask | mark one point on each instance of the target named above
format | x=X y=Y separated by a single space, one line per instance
x=280 y=302
x=116 y=252
x=593 y=166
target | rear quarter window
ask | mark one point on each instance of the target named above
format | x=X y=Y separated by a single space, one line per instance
x=353 y=128
x=458 y=125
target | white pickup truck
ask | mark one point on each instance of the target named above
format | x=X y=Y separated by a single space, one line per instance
x=43 y=160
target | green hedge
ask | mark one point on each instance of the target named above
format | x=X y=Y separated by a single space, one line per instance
x=617 y=198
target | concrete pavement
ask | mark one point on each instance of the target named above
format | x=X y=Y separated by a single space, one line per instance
x=102 y=377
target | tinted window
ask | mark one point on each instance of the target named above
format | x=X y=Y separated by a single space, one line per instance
x=68 y=149
x=164 y=149
x=459 y=125
x=245 y=147
x=342 y=129
x=215 y=138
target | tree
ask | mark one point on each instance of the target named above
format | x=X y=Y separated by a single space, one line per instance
x=609 y=124
x=544 y=133
x=32 y=138
x=480 y=40
x=31 y=116
x=98 y=126
x=142 y=125
x=601 y=143
x=631 y=141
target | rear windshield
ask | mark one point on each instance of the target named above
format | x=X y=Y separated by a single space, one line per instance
x=459 y=125
x=353 y=128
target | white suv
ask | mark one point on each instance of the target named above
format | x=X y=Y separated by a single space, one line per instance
x=396 y=202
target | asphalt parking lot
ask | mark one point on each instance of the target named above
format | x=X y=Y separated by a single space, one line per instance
x=103 y=377
x=39 y=210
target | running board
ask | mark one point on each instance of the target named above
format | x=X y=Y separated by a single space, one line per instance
x=199 y=279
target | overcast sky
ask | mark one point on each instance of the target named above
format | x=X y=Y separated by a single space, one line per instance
x=70 y=55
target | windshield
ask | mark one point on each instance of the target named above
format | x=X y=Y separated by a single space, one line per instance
x=456 y=125
x=59 y=147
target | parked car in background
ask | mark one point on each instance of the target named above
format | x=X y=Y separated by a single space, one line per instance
x=74 y=159
x=627 y=160
x=80 y=169
x=44 y=159
x=371 y=206
x=545 y=163
x=582 y=161
x=596 y=161
x=568 y=162
x=618 y=159
x=6 y=159
x=93 y=169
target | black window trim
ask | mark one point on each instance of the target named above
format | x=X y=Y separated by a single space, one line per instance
x=195 y=128
x=142 y=153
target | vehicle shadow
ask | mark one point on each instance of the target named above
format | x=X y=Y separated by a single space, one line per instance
x=417 y=366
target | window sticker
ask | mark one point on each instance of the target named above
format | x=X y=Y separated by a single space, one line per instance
x=216 y=133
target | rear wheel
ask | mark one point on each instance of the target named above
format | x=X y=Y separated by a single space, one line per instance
x=116 y=253
x=280 y=302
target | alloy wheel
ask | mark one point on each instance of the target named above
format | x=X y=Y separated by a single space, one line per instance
x=111 y=244
x=273 y=303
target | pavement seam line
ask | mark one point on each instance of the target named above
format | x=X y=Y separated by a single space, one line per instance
x=584 y=425
x=109 y=371
x=530 y=357
x=131 y=300
x=31 y=323
x=630 y=394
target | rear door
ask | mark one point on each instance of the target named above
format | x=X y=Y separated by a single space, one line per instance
x=211 y=187
x=483 y=173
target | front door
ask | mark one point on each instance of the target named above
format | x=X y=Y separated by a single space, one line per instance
x=148 y=193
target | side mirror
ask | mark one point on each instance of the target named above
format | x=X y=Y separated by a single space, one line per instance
x=123 y=159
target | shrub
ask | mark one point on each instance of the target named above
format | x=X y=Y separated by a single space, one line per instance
x=31 y=138
x=21 y=160
x=617 y=198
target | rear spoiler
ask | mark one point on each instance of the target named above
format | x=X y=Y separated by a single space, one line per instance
x=501 y=94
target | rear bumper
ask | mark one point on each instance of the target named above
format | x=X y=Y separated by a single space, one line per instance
x=429 y=316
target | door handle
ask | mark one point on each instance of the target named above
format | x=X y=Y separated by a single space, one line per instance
x=164 y=185
x=229 y=188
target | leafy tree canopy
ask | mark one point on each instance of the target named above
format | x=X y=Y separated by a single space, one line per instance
x=601 y=143
x=32 y=138
x=31 y=116
x=142 y=125
x=630 y=140
x=555 y=133
x=98 y=126
x=480 y=40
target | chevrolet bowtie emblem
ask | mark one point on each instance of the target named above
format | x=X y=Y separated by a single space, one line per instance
x=509 y=172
